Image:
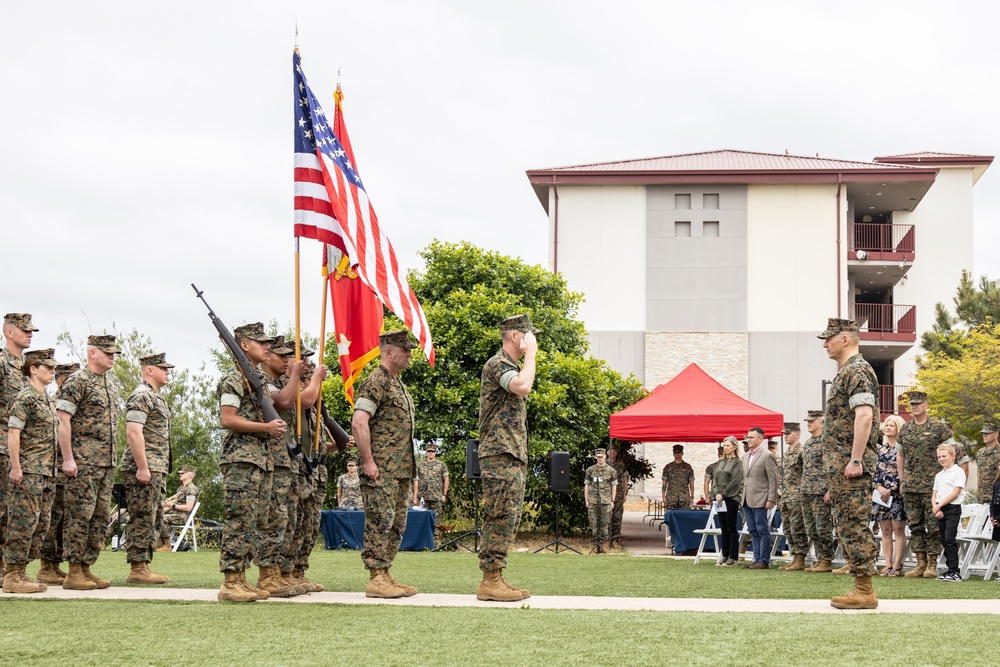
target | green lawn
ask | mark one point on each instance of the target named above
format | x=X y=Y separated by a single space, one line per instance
x=563 y=574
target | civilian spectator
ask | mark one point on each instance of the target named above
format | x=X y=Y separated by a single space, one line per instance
x=892 y=519
x=727 y=487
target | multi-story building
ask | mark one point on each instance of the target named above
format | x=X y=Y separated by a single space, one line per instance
x=734 y=260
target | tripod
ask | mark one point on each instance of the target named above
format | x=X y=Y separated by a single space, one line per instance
x=475 y=533
x=556 y=543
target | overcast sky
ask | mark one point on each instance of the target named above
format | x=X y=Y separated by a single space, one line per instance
x=146 y=146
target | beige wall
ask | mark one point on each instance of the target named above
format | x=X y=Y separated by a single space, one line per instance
x=721 y=355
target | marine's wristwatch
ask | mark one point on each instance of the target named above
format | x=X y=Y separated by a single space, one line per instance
x=855 y=462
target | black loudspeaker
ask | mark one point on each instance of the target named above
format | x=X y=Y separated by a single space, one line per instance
x=118 y=495
x=472 y=460
x=559 y=471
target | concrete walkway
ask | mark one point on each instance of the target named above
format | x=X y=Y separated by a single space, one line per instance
x=542 y=602
x=641 y=539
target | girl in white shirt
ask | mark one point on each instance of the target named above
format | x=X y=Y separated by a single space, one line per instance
x=947 y=497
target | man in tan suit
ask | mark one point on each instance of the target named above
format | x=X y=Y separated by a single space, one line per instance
x=760 y=494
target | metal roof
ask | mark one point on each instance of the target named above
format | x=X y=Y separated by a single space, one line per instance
x=932 y=155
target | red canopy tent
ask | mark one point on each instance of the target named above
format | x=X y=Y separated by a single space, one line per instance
x=692 y=407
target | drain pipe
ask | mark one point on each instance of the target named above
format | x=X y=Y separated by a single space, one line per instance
x=840 y=292
x=555 y=229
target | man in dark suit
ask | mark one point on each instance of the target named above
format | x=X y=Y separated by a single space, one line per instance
x=760 y=494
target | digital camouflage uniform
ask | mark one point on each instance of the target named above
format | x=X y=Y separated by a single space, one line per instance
x=30 y=502
x=52 y=546
x=816 y=513
x=430 y=487
x=312 y=494
x=273 y=519
x=11 y=383
x=918 y=444
x=987 y=459
x=146 y=406
x=184 y=493
x=94 y=407
x=792 y=517
x=602 y=480
x=245 y=464
x=678 y=477
x=618 y=508
x=350 y=491
x=387 y=498
x=503 y=458
x=854 y=385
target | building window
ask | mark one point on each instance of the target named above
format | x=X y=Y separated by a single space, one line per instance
x=682 y=201
x=710 y=201
x=682 y=229
x=710 y=228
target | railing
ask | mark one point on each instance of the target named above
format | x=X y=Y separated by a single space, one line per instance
x=888 y=400
x=881 y=241
x=886 y=321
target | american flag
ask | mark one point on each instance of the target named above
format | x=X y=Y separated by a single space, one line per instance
x=331 y=205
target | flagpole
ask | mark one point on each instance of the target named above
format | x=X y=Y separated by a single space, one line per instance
x=298 y=352
x=322 y=350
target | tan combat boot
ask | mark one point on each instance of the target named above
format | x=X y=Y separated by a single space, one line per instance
x=300 y=578
x=798 y=563
x=233 y=591
x=407 y=590
x=141 y=574
x=300 y=589
x=270 y=580
x=844 y=569
x=49 y=573
x=862 y=596
x=101 y=583
x=75 y=581
x=918 y=571
x=930 y=572
x=821 y=566
x=380 y=586
x=16 y=581
x=492 y=588
x=259 y=592
x=523 y=591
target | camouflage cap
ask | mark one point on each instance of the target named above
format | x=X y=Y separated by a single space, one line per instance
x=253 y=331
x=600 y=452
x=431 y=448
x=814 y=414
x=352 y=462
x=518 y=323
x=67 y=369
x=188 y=469
x=45 y=357
x=399 y=338
x=20 y=320
x=989 y=427
x=835 y=325
x=159 y=359
x=792 y=427
x=279 y=346
x=104 y=343
x=678 y=448
x=914 y=397
x=305 y=352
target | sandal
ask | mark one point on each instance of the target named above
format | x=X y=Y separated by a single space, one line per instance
x=892 y=572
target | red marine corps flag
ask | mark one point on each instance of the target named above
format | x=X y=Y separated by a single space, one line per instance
x=331 y=205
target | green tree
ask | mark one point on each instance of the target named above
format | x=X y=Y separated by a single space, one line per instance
x=975 y=306
x=465 y=291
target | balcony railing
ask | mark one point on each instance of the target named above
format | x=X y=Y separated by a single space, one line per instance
x=881 y=242
x=888 y=400
x=886 y=321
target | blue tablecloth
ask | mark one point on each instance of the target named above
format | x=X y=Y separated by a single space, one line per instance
x=683 y=523
x=346 y=529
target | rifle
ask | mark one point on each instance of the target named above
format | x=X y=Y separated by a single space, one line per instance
x=267 y=411
x=333 y=430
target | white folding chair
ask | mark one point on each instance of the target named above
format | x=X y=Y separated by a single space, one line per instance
x=975 y=540
x=708 y=531
x=188 y=526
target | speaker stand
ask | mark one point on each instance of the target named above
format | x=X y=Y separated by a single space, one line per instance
x=556 y=543
x=475 y=533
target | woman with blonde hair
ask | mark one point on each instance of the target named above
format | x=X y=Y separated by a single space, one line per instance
x=891 y=518
x=727 y=482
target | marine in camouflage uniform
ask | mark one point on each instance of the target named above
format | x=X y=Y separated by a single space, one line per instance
x=854 y=388
x=52 y=547
x=349 y=488
x=503 y=452
x=187 y=492
x=32 y=415
x=816 y=511
x=383 y=425
x=89 y=408
x=791 y=499
x=600 y=483
x=678 y=483
x=618 y=508
x=18 y=330
x=147 y=422
x=987 y=460
x=431 y=484
x=311 y=505
x=916 y=447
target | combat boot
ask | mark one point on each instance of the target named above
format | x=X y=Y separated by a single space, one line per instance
x=930 y=572
x=3 y=572
x=844 y=569
x=49 y=573
x=381 y=586
x=492 y=588
x=862 y=596
x=918 y=571
x=407 y=590
x=300 y=589
x=523 y=591
x=300 y=578
x=141 y=574
x=16 y=581
x=270 y=580
x=232 y=589
x=259 y=592
x=798 y=563
x=75 y=581
x=821 y=566
x=101 y=583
